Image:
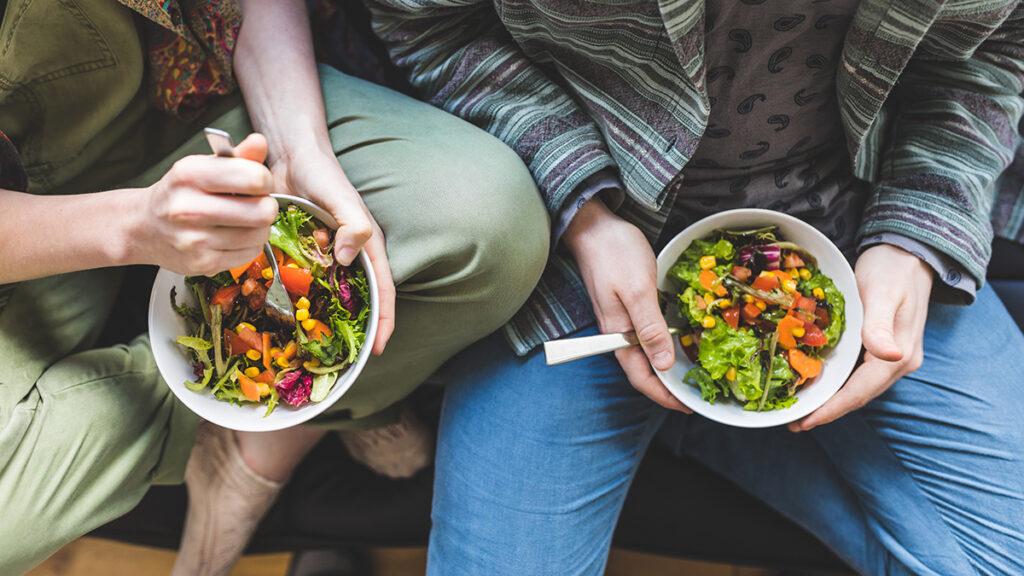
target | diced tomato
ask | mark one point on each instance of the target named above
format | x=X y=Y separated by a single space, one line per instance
x=822 y=317
x=793 y=260
x=252 y=339
x=267 y=377
x=813 y=336
x=806 y=304
x=731 y=316
x=278 y=255
x=235 y=344
x=250 y=389
x=766 y=282
x=225 y=297
x=296 y=280
x=785 y=330
x=805 y=366
x=319 y=331
x=750 y=312
x=742 y=273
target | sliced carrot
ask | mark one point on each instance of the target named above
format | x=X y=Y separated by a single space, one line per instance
x=251 y=338
x=250 y=389
x=238 y=271
x=766 y=282
x=707 y=280
x=785 y=329
x=804 y=365
x=267 y=377
x=266 y=350
x=751 y=312
x=320 y=330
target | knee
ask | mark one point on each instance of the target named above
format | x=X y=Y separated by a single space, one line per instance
x=498 y=218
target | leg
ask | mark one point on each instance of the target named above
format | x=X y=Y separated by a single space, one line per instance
x=533 y=462
x=96 y=427
x=927 y=478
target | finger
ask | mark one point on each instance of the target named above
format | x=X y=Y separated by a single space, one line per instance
x=880 y=308
x=867 y=382
x=376 y=251
x=201 y=209
x=638 y=370
x=253 y=148
x=223 y=175
x=650 y=326
x=233 y=258
x=355 y=225
x=232 y=238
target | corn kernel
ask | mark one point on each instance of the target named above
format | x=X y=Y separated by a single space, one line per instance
x=724 y=303
x=302 y=303
x=709 y=298
x=760 y=305
x=244 y=326
x=686 y=340
x=789 y=285
x=708 y=321
x=267 y=273
x=253 y=355
x=730 y=374
x=275 y=352
x=805 y=274
x=252 y=371
x=748 y=298
x=302 y=314
x=264 y=389
x=292 y=265
x=282 y=362
x=818 y=293
x=799 y=332
x=313 y=363
x=308 y=324
x=707 y=262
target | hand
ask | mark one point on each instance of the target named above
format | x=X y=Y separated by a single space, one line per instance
x=618 y=268
x=317 y=176
x=895 y=287
x=207 y=214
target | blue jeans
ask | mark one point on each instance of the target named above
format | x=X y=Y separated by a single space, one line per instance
x=534 y=462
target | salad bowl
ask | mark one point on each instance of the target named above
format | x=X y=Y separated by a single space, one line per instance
x=176 y=368
x=838 y=361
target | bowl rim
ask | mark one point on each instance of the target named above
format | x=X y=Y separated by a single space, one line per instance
x=304 y=413
x=851 y=332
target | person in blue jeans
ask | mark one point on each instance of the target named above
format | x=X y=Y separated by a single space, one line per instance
x=886 y=124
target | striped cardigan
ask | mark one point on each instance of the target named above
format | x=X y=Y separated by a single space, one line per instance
x=929 y=93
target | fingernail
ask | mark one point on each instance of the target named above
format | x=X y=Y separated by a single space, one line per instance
x=346 y=255
x=662 y=360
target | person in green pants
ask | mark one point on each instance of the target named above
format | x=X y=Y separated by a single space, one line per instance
x=107 y=178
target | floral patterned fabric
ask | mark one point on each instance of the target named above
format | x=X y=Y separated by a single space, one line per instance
x=189 y=45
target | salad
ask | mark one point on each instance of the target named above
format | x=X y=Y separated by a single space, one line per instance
x=243 y=355
x=761 y=315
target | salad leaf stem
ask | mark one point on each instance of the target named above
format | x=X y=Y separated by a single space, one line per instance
x=771 y=369
x=215 y=329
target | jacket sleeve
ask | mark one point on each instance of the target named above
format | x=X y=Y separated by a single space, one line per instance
x=955 y=132
x=460 y=57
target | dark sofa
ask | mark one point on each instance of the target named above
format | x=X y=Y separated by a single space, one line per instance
x=333 y=503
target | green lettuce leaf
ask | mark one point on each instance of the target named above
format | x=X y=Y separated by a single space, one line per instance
x=688 y=307
x=836 y=301
x=722 y=348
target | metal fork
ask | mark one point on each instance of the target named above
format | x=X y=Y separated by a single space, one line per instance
x=277 y=303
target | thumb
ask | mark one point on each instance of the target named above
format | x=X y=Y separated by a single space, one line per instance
x=879 y=319
x=254 y=148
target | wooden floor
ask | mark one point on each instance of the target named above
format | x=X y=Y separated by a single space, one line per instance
x=93 y=557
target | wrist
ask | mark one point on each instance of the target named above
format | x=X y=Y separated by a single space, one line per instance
x=590 y=219
x=125 y=244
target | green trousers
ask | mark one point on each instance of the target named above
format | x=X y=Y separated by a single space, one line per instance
x=467 y=238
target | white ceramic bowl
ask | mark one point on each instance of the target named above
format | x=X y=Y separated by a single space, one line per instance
x=173 y=362
x=839 y=361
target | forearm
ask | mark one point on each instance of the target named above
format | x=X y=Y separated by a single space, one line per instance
x=47 y=235
x=276 y=69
